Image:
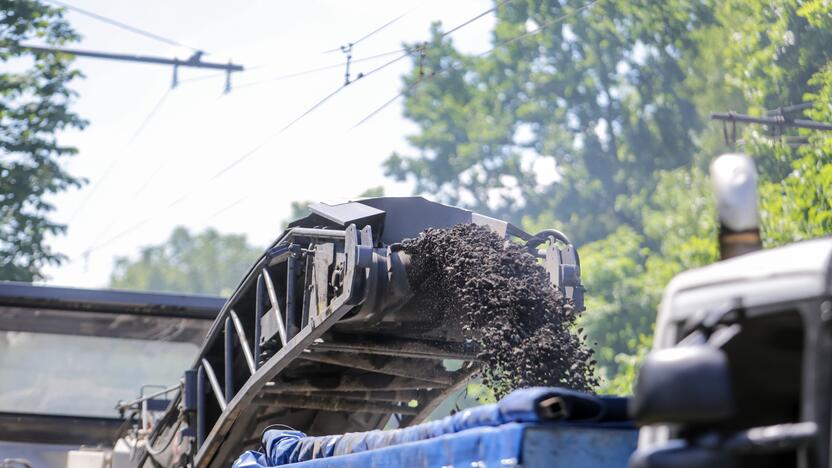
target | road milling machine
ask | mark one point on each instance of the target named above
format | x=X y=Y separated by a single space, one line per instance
x=322 y=335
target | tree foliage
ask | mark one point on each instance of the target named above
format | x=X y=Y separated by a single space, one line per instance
x=204 y=263
x=602 y=94
x=34 y=108
x=616 y=96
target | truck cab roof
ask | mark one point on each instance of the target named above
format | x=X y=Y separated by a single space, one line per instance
x=790 y=273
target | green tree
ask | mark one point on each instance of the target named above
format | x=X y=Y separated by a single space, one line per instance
x=610 y=96
x=617 y=96
x=204 y=263
x=782 y=57
x=34 y=107
x=602 y=94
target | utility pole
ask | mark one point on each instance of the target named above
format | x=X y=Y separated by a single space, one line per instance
x=195 y=61
x=776 y=119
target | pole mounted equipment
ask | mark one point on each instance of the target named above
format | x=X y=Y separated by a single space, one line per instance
x=194 y=61
x=776 y=119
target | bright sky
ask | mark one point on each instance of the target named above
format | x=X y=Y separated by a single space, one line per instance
x=138 y=175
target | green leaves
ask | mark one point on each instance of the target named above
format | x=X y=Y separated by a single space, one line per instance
x=602 y=93
x=204 y=263
x=618 y=96
x=34 y=106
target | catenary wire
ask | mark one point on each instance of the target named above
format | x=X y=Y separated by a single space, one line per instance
x=314 y=107
x=370 y=34
x=123 y=26
x=430 y=76
x=119 y=157
x=317 y=70
x=466 y=23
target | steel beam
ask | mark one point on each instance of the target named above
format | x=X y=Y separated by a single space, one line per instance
x=350 y=384
x=215 y=384
x=398 y=347
x=342 y=404
x=241 y=335
x=411 y=368
x=394 y=396
x=229 y=358
x=771 y=121
x=192 y=63
x=281 y=327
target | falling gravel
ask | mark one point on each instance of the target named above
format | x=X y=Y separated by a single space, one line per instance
x=524 y=327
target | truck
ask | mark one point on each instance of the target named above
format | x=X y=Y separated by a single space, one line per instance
x=319 y=358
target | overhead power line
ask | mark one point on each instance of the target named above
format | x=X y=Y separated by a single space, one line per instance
x=314 y=107
x=119 y=157
x=370 y=34
x=454 y=66
x=777 y=120
x=195 y=61
x=123 y=26
x=391 y=62
x=485 y=13
x=312 y=70
x=305 y=113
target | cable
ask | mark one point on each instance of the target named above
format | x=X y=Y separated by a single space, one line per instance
x=315 y=70
x=156 y=451
x=426 y=77
x=149 y=117
x=121 y=25
x=118 y=157
x=368 y=35
x=317 y=105
x=394 y=99
x=380 y=28
x=344 y=63
x=538 y=30
x=227 y=207
x=466 y=23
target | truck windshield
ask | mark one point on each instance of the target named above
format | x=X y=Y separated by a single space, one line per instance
x=82 y=363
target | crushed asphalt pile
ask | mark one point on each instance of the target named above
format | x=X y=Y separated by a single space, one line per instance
x=524 y=327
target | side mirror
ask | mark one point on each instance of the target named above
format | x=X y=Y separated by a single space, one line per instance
x=688 y=384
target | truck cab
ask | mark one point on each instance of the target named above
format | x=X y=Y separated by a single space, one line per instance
x=740 y=372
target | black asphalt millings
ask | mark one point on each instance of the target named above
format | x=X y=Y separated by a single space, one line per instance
x=524 y=326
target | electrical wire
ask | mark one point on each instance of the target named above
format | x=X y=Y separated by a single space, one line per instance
x=394 y=99
x=157 y=451
x=123 y=26
x=316 y=106
x=379 y=29
x=227 y=207
x=370 y=34
x=344 y=63
x=466 y=23
x=317 y=70
x=118 y=157
x=528 y=34
x=291 y=75
x=254 y=149
x=308 y=111
x=230 y=166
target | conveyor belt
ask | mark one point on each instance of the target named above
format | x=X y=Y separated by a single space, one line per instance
x=322 y=336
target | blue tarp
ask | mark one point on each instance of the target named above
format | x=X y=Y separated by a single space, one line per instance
x=281 y=447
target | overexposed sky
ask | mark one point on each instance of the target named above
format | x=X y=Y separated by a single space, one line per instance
x=146 y=179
